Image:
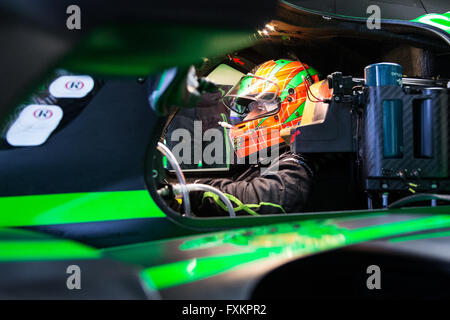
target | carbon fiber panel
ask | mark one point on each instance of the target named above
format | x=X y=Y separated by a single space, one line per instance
x=407 y=166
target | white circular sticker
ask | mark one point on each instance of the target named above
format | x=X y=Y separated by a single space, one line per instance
x=34 y=125
x=71 y=86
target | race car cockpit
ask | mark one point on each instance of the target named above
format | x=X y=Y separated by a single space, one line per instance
x=374 y=137
x=368 y=114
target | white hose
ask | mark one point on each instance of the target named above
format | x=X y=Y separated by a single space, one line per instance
x=185 y=188
x=174 y=163
x=205 y=187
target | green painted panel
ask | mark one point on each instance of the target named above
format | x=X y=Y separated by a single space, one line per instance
x=45 y=250
x=77 y=207
x=196 y=269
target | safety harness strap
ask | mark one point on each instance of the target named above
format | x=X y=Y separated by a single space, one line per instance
x=239 y=205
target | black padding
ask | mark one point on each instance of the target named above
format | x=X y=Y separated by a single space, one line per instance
x=102 y=234
x=101 y=150
x=407 y=272
x=390 y=9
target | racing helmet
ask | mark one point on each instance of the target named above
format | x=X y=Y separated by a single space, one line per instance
x=265 y=101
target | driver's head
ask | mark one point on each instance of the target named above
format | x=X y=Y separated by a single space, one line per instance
x=266 y=101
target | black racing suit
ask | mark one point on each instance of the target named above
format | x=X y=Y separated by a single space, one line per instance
x=281 y=188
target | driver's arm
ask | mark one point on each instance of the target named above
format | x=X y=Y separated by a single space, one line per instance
x=280 y=191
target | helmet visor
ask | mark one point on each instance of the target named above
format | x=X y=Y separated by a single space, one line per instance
x=253 y=97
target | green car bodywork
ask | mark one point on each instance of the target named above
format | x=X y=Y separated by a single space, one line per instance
x=77 y=207
x=231 y=244
x=279 y=241
x=244 y=247
x=441 y=21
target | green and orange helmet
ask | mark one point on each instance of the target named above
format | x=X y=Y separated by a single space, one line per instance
x=268 y=100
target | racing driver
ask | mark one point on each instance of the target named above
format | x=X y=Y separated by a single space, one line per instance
x=266 y=101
